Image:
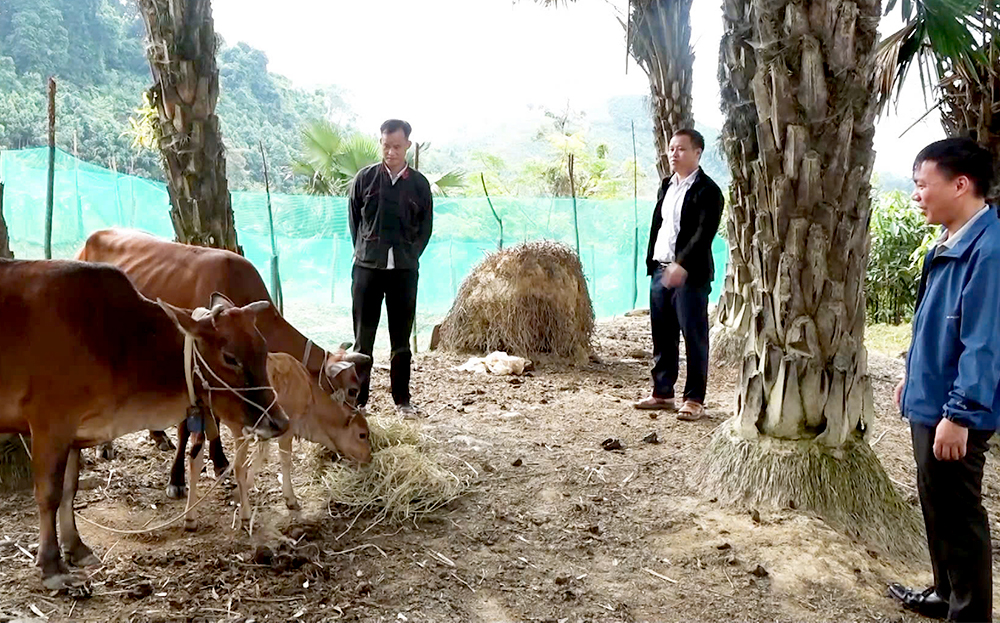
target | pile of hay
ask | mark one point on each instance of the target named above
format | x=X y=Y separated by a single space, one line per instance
x=402 y=482
x=528 y=300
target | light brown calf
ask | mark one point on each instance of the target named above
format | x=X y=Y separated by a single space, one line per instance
x=312 y=415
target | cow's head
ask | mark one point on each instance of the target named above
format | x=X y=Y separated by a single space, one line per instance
x=314 y=414
x=233 y=361
x=346 y=371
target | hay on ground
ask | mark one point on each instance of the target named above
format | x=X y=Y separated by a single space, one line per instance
x=527 y=300
x=404 y=480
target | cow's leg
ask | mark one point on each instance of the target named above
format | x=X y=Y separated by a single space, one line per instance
x=175 y=488
x=197 y=459
x=241 y=459
x=285 y=452
x=48 y=464
x=161 y=441
x=76 y=552
x=216 y=453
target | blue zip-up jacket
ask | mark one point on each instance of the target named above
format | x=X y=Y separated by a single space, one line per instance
x=953 y=367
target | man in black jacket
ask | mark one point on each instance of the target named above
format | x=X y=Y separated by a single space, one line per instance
x=679 y=260
x=390 y=217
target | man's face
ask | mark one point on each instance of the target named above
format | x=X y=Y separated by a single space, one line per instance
x=938 y=197
x=684 y=156
x=394 y=146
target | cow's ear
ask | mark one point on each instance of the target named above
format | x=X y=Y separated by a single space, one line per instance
x=218 y=298
x=362 y=361
x=335 y=368
x=181 y=318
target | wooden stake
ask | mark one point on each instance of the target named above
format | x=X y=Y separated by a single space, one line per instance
x=49 y=198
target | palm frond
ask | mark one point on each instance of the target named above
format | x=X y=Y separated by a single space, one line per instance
x=941 y=37
x=442 y=183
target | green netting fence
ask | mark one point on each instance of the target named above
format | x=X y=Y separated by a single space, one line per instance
x=314 y=242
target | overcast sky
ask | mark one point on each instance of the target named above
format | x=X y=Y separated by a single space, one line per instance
x=392 y=57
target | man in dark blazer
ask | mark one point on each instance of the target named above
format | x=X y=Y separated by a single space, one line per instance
x=679 y=260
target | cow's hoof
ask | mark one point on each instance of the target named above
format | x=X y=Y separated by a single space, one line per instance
x=107 y=451
x=293 y=505
x=82 y=556
x=190 y=525
x=221 y=469
x=165 y=445
x=175 y=493
x=60 y=581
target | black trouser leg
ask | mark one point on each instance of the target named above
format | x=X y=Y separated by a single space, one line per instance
x=666 y=336
x=958 y=530
x=367 y=290
x=401 y=307
x=691 y=305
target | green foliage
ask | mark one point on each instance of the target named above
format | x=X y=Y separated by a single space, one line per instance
x=899 y=239
x=330 y=157
x=102 y=73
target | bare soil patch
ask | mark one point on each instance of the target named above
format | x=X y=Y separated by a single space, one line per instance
x=554 y=528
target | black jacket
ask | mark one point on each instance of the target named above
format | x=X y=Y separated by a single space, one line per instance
x=384 y=216
x=700 y=216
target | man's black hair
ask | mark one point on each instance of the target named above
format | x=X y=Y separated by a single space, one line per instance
x=960 y=156
x=392 y=125
x=696 y=138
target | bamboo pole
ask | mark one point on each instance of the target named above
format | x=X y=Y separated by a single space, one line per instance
x=49 y=198
x=572 y=191
x=635 y=220
x=276 y=293
x=492 y=209
x=76 y=186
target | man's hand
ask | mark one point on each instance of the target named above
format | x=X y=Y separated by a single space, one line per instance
x=950 y=440
x=674 y=276
x=897 y=395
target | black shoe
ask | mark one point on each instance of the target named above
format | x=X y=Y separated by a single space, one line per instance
x=926 y=603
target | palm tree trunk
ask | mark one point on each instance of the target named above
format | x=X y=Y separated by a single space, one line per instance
x=797 y=93
x=661 y=43
x=181 y=53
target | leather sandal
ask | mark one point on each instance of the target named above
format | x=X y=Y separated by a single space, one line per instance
x=691 y=411
x=655 y=403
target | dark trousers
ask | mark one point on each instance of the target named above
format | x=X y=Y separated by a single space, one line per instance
x=674 y=311
x=399 y=290
x=958 y=531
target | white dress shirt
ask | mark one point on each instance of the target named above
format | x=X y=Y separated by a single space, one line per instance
x=391 y=263
x=666 y=238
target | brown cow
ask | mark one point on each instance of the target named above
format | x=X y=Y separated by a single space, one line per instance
x=85 y=358
x=313 y=415
x=185 y=276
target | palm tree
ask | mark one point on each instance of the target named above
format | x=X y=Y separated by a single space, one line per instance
x=330 y=158
x=954 y=47
x=181 y=52
x=798 y=95
x=659 y=39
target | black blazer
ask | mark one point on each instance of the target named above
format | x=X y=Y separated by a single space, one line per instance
x=700 y=216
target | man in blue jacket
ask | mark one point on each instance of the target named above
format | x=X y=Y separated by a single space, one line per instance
x=950 y=392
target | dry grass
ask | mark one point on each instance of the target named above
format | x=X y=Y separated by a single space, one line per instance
x=15 y=466
x=526 y=300
x=403 y=481
x=889 y=339
x=847 y=487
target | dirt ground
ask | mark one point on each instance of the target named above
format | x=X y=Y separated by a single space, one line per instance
x=554 y=527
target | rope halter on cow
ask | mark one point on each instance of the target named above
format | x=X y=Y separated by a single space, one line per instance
x=193 y=362
x=337 y=395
